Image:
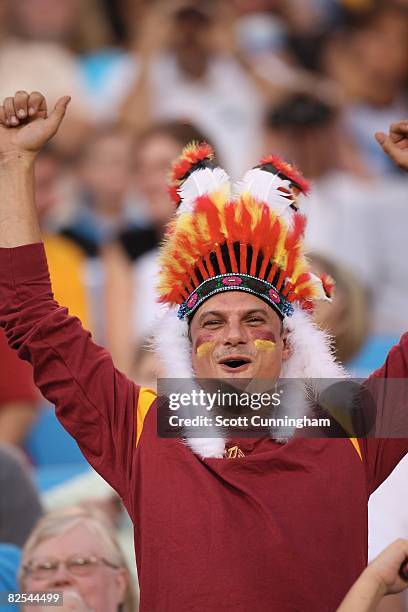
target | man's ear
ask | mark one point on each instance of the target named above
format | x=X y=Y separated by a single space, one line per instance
x=287 y=348
x=121 y=583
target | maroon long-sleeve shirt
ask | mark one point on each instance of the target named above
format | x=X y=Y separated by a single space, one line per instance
x=283 y=528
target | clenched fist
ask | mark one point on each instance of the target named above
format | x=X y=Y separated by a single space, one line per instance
x=25 y=125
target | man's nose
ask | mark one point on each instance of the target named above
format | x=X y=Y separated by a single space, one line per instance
x=235 y=334
x=61 y=577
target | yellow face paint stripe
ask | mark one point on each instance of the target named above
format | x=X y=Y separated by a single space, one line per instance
x=204 y=349
x=144 y=402
x=264 y=345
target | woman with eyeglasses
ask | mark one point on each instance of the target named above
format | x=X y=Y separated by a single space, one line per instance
x=74 y=551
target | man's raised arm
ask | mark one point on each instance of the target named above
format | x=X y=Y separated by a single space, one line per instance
x=25 y=127
x=94 y=402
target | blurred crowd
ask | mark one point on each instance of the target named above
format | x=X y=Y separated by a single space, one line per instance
x=311 y=80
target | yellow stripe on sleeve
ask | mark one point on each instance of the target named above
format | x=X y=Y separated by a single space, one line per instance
x=356 y=445
x=145 y=400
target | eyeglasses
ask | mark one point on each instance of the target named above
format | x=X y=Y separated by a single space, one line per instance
x=77 y=565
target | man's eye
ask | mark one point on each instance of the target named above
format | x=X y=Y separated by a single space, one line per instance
x=80 y=561
x=255 y=320
x=212 y=323
x=45 y=565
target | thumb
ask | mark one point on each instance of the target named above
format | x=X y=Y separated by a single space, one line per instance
x=386 y=143
x=391 y=149
x=57 y=115
x=380 y=137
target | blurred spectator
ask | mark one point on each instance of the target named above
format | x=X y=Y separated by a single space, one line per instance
x=73 y=550
x=188 y=71
x=103 y=171
x=48 y=171
x=33 y=43
x=20 y=506
x=309 y=133
x=281 y=40
x=65 y=259
x=80 y=30
x=156 y=148
x=89 y=490
x=10 y=558
x=353 y=216
x=369 y=60
x=386 y=223
x=78 y=25
x=102 y=209
x=130 y=264
x=19 y=396
x=346 y=318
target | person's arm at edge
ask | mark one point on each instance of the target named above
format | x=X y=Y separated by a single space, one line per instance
x=364 y=595
x=380 y=578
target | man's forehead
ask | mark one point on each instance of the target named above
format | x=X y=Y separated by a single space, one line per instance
x=234 y=302
x=75 y=538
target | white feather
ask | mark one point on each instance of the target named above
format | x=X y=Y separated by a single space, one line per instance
x=200 y=182
x=264 y=186
x=312 y=359
x=318 y=286
x=312 y=354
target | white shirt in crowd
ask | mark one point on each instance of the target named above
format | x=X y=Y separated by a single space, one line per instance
x=224 y=104
x=362 y=225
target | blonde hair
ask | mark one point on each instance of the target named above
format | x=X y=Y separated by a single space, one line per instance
x=60 y=521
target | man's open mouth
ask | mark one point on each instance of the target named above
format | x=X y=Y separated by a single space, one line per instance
x=235 y=363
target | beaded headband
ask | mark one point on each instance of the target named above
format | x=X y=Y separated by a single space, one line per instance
x=241 y=282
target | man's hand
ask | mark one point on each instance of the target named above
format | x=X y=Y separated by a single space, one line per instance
x=25 y=125
x=395 y=145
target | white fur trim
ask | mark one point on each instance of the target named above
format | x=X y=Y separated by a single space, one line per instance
x=173 y=347
x=213 y=448
x=312 y=354
x=170 y=341
x=200 y=182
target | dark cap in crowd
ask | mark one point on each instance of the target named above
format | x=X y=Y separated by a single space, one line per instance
x=300 y=110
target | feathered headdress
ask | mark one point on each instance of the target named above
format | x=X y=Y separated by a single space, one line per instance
x=251 y=240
